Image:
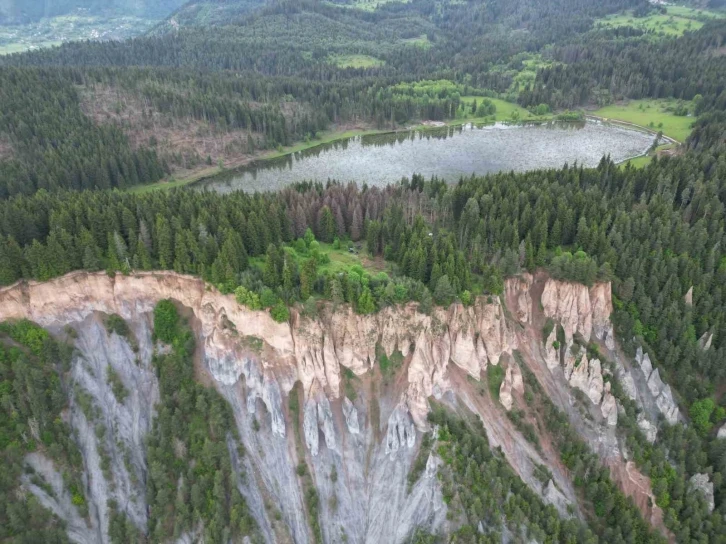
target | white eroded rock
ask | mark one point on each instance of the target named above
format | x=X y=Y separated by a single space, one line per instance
x=310 y=426
x=351 y=416
x=552 y=354
x=645 y=365
x=401 y=430
x=628 y=384
x=512 y=382
x=518 y=298
x=667 y=405
x=609 y=409
x=587 y=377
x=326 y=423
x=649 y=429
x=655 y=384
x=705 y=341
x=556 y=498
x=702 y=483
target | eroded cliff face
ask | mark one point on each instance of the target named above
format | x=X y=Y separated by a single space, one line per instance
x=369 y=441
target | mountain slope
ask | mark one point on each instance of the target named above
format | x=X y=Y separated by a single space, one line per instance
x=335 y=441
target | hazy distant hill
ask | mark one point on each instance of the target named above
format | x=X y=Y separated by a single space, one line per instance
x=24 y=11
x=210 y=12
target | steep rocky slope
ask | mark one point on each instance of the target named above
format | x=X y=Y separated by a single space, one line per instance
x=357 y=430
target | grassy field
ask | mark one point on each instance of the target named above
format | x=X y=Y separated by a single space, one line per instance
x=639 y=162
x=652 y=114
x=176 y=181
x=676 y=20
x=505 y=110
x=341 y=260
x=355 y=61
x=422 y=41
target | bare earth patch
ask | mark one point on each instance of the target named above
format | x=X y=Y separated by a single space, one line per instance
x=185 y=143
x=6 y=148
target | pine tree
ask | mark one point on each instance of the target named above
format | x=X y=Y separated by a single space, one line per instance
x=326 y=225
x=164 y=247
x=365 y=302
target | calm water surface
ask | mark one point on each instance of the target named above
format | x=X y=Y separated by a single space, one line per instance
x=448 y=153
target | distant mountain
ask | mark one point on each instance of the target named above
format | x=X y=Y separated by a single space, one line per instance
x=209 y=12
x=25 y=11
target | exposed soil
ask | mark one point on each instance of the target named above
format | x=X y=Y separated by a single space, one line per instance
x=6 y=148
x=625 y=474
x=502 y=432
x=637 y=486
x=185 y=143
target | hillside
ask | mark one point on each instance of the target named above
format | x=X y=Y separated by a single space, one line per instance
x=318 y=414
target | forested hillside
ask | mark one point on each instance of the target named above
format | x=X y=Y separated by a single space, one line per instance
x=262 y=79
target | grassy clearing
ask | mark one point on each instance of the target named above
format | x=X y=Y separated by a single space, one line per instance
x=675 y=22
x=506 y=111
x=368 y=5
x=421 y=41
x=653 y=114
x=526 y=76
x=642 y=162
x=355 y=61
x=340 y=260
x=638 y=162
x=173 y=182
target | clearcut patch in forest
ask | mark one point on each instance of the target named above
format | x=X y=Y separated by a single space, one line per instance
x=185 y=143
x=356 y=61
x=419 y=41
x=336 y=257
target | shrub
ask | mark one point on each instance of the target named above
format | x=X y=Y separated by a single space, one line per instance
x=280 y=312
x=547 y=329
x=700 y=413
x=495 y=377
x=248 y=298
x=268 y=298
x=166 y=321
x=115 y=323
x=117 y=386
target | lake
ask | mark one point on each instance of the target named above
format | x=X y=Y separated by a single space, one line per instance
x=448 y=152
